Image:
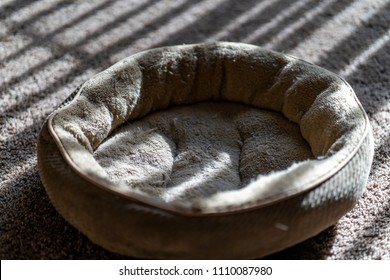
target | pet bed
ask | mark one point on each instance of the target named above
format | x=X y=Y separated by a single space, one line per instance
x=214 y=150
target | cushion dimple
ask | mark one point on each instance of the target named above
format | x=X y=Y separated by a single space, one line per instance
x=189 y=152
x=270 y=138
x=150 y=151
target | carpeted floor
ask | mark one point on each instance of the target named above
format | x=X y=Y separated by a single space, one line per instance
x=49 y=47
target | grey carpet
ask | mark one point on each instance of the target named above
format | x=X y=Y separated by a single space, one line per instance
x=49 y=47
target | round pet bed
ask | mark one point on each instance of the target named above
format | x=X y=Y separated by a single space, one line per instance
x=215 y=150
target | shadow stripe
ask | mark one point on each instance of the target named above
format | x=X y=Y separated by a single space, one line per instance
x=86 y=61
x=40 y=40
x=6 y=10
x=21 y=25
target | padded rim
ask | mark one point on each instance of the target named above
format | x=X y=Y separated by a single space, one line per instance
x=125 y=219
x=105 y=185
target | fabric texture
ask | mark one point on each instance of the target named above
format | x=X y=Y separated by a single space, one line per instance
x=48 y=48
x=198 y=150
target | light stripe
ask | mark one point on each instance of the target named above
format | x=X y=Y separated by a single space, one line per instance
x=276 y=21
x=4 y=3
x=290 y=29
x=242 y=19
x=167 y=30
x=96 y=24
x=366 y=54
x=54 y=21
x=51 y=73
x=18 y=67
x=129 y=27
x=326 y=38
x=32 y=11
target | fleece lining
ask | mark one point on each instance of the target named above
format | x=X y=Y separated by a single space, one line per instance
x=195 y=151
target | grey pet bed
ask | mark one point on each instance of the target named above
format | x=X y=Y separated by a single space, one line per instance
x=216 y=150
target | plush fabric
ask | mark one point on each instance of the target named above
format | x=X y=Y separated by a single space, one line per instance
x=222 y=129
x=195 y=151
